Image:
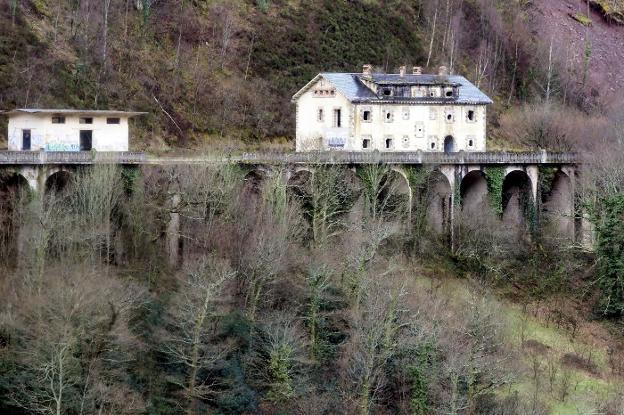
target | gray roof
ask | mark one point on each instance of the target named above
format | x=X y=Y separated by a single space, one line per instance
x=73 y=112
x=350 y=85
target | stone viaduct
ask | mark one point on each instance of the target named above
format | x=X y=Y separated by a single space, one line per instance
x=461 y=183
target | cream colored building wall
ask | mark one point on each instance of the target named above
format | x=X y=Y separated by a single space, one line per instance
x=417 y=127
x=314 y=134
x=66 y=137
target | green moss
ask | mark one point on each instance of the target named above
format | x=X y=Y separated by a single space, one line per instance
x=582 y=19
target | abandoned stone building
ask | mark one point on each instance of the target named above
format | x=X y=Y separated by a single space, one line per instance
x=68 y=130
x=391 y=112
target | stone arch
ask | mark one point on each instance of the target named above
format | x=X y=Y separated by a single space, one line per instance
x=474 y=193
x=299 y=182
x=558 y=206
x=58 y=181
x=253 y=181
x=449 y=144
x=439 y=202
x=517 y=199
x=14 y=192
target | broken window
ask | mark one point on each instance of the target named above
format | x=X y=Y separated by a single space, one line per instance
x=388 y=116
x=470 y=115
x=86 y=120
x=449 y=115
x=58 y=120
x=113 y=120
x=388 y=143
x=319 y=115
x=433 y=146
x=337 y=118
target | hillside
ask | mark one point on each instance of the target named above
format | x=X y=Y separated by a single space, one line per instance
x=217 y=71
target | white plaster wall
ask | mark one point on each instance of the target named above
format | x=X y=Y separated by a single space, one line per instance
x=66 y=137
x=312 y=134
x=412 y=127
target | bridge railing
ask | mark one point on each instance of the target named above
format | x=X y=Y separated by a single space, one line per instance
x=419 y=157
x=329 y=157
x=72 y=157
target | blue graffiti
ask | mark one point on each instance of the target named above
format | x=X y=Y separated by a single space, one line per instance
x=62 y=147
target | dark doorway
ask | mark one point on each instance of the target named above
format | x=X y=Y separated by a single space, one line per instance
x=449 y=144
x=25 y=139
x=86 y=140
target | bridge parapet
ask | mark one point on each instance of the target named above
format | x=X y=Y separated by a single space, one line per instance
x=481 y=158
x=329 y=157
x=71 y=157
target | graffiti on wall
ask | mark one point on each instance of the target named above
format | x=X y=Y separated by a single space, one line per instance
x=62 y=147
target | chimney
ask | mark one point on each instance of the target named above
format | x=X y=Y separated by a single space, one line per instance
x=367 y=70
x=443 y=71
x=402 y=70
x=417 y=70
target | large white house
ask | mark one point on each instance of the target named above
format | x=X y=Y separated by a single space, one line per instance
x=391 y=112
x=68 y=130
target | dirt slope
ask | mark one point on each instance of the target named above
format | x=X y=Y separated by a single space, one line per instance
x=605 y=42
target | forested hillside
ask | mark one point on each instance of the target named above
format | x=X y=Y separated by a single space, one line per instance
x=214 y=72
x=232 y=289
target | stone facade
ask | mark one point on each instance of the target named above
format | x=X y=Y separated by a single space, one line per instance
x=391 y=112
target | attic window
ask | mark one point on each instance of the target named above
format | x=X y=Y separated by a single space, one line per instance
x=387 y=92
x=449 y=93
x=113 y=120
x=58 y=120
x=86 y=120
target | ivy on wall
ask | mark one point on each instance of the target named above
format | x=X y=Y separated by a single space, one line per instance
x=495 y=176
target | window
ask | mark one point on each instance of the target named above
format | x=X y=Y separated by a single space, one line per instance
x=319 y=115
x=406 y=113
x=367 y=115
x=405 y=141
x=386 y=92
x=366 y=143
x=113 y=121
x=337 y=118
x=86 y=120
x=388 y=143
x=448 y=92
x=420 y=129
x=388 y=116
x=470 y=143
x=470 y=115
x=58 y=120
x=433 y=114
x=449 y=115
x=433 y=142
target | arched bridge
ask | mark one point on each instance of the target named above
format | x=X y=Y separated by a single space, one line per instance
x=462 y=183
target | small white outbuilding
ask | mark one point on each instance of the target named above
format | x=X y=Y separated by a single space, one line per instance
x=68 y=130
